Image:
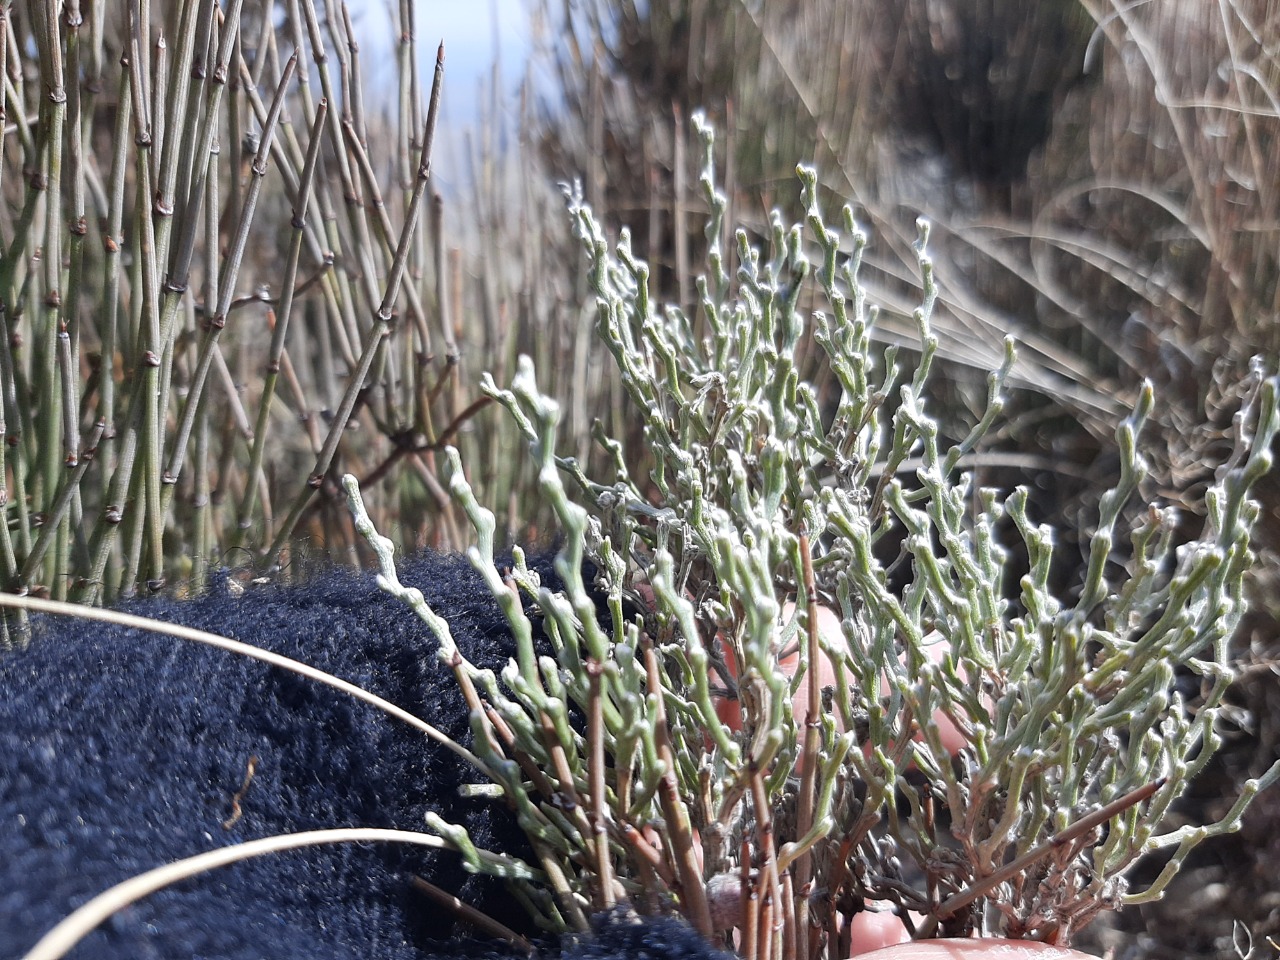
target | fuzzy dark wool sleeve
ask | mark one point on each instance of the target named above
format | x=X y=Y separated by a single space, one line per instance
x=122 y=750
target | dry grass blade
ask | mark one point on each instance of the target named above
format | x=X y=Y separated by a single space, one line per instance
x=476 y=918
x=37 y=605
x=77 y=925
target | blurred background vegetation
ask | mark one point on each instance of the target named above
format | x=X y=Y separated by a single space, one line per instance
x=179 y=353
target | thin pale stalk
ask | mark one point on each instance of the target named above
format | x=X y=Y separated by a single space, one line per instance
x=58 y=510
x=276 y=350
x=363 y=246
x=175 y=286
x=406 y=74
x=230 y=271
x=386 y=232
x=134 y=531
x=53 y=112
x=338 y=296
x=112 y=241
x=289 y=160
x=179 y=632
x=202 y=56
x=803 y=873
x=680 y=173
x=69 y=382
x=442 y=281
x=76 y=926
x=357 y=87
x=235 y=408
x=201 y=521
x=18 y=465
x=77 y=225
x=176 y=99
x=151 y=345
x=305 y=414
x=356 y=232
x=180 y=261
x=264 y=51
x=4 y=72
x=202 y=507
x=8 y=559
x=159 y=91
x=20 y=123
x=595 y=771
x=693 y=891
x=18 y=243
x=448 y=534
x=382 y=326
x=179 y=125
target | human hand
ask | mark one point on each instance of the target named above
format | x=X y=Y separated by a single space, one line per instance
x=992 y=948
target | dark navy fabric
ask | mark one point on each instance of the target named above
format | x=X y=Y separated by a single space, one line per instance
x=121 y=750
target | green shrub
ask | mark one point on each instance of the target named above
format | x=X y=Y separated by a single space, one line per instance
x=1077 y=735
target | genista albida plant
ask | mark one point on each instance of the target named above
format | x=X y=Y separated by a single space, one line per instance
x=986 y=763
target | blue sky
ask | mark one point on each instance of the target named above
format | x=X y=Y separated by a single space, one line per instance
x=473 y=32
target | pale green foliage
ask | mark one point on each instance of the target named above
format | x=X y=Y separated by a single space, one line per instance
x=1066 y=703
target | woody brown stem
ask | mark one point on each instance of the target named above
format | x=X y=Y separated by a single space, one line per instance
x=595 y=771
x=809 y=757
x=693 y=891
x=984 y=885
